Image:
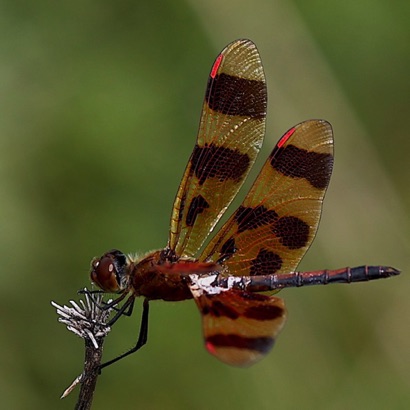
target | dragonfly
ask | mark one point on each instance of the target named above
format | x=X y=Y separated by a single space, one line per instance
x=235 y=276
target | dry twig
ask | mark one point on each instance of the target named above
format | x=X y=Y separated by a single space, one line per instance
x=87 y=320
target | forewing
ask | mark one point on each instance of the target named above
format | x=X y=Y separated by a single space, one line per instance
x=230 y=135
x=276 y=223
x=239 y=327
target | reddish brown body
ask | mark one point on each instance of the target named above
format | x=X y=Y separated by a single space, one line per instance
x=149 y=280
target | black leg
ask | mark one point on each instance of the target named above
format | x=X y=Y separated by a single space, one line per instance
x=114 y=303
x=111 y=305
x=124 y=310
x=89 y=292
x=142 y=338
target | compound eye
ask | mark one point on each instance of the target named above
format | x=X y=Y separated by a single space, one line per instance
x=105 y=271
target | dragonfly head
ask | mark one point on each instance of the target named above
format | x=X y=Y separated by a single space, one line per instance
x=110 y=271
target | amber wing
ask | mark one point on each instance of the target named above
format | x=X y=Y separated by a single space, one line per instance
x=276 y=223
x=239 y=327
x=230 y=136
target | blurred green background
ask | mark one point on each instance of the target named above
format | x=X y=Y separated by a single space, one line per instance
x=99 y=107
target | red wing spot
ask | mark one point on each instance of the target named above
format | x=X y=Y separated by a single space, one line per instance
x=286 y=137
x=216 y=65
x=210 y=347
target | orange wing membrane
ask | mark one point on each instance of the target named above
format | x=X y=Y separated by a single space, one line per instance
x=260 y=246
x=230 y=136
x=239 y=327
x=276 y=223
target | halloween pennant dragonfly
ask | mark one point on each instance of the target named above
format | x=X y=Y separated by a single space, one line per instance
x=259 y=248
